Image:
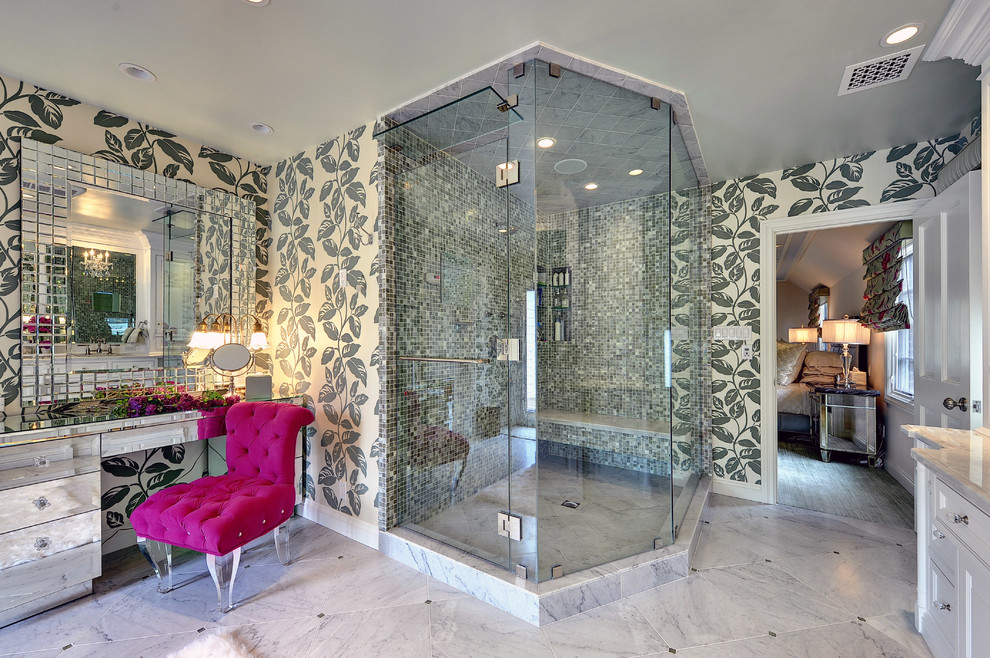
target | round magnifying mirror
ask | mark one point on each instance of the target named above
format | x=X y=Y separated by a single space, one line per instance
x=231 y=357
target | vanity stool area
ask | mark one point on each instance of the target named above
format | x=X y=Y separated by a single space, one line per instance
x=952 y=518
x=50 y=529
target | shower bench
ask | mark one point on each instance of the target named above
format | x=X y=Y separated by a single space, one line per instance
x=632 y=443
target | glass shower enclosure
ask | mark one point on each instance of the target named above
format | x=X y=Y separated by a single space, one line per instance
x=543 y=323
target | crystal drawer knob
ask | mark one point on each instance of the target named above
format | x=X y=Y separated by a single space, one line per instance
x=942 y=606
x=41 y=503
x=42 y=462
x=960 y=519
x=938 y=534
x=41 y=543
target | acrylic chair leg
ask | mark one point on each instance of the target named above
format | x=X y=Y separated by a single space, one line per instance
x=282 y=543
x=159 y=554
x=223 y=568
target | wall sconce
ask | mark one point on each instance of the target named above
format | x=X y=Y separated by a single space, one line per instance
x=225 y=346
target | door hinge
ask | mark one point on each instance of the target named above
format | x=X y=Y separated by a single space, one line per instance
x=510 y=525
x=168 y=256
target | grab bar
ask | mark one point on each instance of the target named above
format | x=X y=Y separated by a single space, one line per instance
x=442 y=360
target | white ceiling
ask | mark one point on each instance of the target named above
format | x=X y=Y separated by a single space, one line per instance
x=824 y=257
x=761 y=76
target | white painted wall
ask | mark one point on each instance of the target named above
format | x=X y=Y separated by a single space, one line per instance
x=792 y=308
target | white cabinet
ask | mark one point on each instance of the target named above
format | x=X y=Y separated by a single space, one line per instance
x=954 y=577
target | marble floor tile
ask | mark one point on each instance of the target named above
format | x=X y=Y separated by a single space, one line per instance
x=900 y=627
x=777 y=599
x=849 y=640
x=897 y=562
x=743 y=542
x=438 y=591
x=277 y=638
x=764 y=646
x=845 y=581
x=267 y=592
x=57 y=627
x=619 y=629
x=154 y=646
x=468 y=627
x=692 y=611
x=394 y=631
x=373 y=581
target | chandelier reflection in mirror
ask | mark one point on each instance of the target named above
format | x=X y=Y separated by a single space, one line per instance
x=96 y=264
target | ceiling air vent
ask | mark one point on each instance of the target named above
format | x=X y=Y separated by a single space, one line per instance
x=879 y=71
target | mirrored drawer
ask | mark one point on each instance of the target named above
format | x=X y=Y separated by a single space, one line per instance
x=147 y=438
x=40 y=541
x=24 y=583
x=47 y=501
x=43 y=461
x=962 y=518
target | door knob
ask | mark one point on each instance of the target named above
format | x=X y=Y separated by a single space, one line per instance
x=949 y=403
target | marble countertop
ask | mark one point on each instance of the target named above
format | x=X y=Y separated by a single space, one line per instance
x=961 y=457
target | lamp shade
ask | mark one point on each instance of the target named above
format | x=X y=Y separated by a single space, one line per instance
x=802 y=335
x=845 y=332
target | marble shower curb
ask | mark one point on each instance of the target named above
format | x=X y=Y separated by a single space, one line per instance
x=556 y=599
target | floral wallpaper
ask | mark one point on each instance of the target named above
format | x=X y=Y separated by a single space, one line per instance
x=738 y=206
x=323 y=312
x=30 y=111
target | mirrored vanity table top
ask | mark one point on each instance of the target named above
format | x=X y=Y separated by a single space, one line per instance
x=958 y=456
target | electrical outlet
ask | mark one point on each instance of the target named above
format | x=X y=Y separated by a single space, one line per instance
x=746 y=351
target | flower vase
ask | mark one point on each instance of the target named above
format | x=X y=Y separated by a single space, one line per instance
x=212 y=423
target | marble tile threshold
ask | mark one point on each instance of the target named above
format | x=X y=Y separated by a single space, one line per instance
x=559 y=598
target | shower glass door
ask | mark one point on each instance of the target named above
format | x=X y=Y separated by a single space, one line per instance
x=449 y=391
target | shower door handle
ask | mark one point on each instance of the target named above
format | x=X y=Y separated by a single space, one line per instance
x=667 y=351
x=431 y=359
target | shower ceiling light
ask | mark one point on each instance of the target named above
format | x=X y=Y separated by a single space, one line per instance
x=257 y=3
x=901 y=34
x=137 y=72
x=262 y=128
x=546 y=142
x=635 y=172
x=591 y=186
x=505 y=166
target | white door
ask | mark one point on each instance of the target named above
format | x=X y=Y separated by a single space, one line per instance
x=947 y=307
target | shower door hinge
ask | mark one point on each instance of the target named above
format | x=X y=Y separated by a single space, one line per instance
x=507 y=174
x=168 y=256
x=510 y=525
x=509 y=103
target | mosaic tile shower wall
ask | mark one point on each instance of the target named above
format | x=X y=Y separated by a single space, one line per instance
x=93 y=320
x=450 y=262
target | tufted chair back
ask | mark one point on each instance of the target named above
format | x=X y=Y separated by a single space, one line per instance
x=261 y=439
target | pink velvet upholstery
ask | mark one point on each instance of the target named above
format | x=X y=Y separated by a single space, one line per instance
x=218 y=514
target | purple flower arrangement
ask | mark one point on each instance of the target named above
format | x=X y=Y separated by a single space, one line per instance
x=164 y=400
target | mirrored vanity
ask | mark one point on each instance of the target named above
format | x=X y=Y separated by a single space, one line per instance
x=119 y=266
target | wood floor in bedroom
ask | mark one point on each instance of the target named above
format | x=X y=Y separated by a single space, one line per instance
x=843 y=486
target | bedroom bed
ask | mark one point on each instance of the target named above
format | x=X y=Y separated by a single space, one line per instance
x=798 y=373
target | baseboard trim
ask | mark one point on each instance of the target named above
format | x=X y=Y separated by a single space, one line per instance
x=348 y=526
x=744 y=490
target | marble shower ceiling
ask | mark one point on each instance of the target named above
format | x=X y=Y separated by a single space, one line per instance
x=761 y=76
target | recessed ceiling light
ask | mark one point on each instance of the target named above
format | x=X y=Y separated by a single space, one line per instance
x=262 y=128
x=546 y=142
x=591 y=186
x=505 y=165
x=257 y=3
x=635 y=172
x=137 y=72
x=901 y=34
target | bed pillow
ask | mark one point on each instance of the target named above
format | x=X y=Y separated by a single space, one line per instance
x=820 y=359
x=790 y=356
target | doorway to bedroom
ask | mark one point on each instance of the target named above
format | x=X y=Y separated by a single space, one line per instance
x=839 y=449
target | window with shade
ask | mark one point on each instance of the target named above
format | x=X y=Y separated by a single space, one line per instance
x=900 y=344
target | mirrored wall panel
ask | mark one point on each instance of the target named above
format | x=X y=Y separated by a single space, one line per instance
x=118 y=267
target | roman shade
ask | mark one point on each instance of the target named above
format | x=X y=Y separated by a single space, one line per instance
x=884 y=260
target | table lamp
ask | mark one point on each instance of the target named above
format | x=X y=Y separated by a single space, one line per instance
x=845 y=332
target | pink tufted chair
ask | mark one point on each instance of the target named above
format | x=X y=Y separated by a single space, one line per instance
x=218 y=515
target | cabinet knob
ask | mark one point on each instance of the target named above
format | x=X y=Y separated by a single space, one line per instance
x=942 y=606
x=41 y=543
x=42 y=462
x=960 y=519
x=938 y=534
x=41 y=503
